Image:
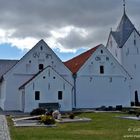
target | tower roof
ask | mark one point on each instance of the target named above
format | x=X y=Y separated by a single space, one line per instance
x=123 y=30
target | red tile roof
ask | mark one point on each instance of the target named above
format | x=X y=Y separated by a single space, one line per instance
x=76 y=63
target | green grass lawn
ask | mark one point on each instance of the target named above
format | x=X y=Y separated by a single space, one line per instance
x=104 y=126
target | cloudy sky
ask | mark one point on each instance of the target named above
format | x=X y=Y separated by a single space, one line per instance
x=68 y=26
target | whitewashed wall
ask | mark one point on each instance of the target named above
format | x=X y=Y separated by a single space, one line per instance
x=114 y=49
x=94 y=89
x=26 y=68
x=48 y=87
x=131 y=62
x=97 y=91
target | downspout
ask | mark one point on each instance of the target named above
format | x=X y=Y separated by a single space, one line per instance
x=74 y=78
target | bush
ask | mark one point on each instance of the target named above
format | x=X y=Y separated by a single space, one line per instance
x=102 y=108
x=110 y=108
x=119 y=107
x=138 y=112
x=132 y=104
x=137 y=115
x=47 y=119
x=38 y=111
x=71 y=116
x=132 y=111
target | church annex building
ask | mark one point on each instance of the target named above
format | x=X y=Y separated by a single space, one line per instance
x=102 y=76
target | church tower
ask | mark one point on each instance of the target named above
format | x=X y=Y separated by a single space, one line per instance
x=124 y=44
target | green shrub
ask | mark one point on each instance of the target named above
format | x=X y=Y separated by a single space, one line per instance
x=134 y=111
x=137 y=115
x=71 y=116
x=119 y=107
x=138 y=112
x=132 y=103
x=38 y=111
x=47 y=119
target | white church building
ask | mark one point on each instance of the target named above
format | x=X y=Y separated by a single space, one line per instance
x=102 y=76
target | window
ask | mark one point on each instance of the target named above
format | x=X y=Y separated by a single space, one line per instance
x=60 y=95
x=37 y=95
x=134 y=42
x=101 y=69
x=41 y=48
x=107 y=58
x=101 y=51
x=41 y=66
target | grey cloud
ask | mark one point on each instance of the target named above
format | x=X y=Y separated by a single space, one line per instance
x=76 y=40
x=36 y=18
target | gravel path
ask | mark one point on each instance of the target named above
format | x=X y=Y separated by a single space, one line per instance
x=4 y=131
